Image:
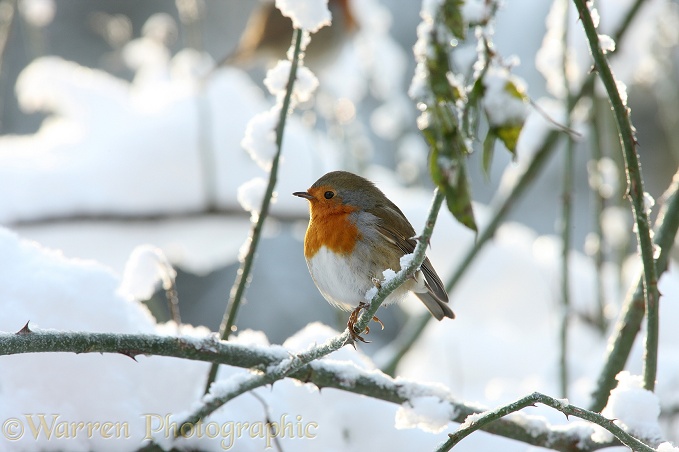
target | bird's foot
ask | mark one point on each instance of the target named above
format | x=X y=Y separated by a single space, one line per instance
x=354 y=333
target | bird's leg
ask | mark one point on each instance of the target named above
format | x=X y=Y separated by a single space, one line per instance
x=351 y=324
x=354 y=334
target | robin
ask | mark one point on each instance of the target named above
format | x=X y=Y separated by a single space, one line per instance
x=354 y=234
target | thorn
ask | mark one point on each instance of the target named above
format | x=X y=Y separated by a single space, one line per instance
x=350 y=341
x=24 y=330
x=307 y=377
x=130 y=354
x=419 y=237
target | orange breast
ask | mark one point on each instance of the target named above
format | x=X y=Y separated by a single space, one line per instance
x=330 y=226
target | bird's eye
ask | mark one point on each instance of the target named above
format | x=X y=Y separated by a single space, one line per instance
x=328 y=194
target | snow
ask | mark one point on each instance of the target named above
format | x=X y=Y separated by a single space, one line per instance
x=133 y=141
x=502 y=105
x=276 y=81
x=634 y=408
x=260 y=137
x=251 y=194
x=607 y=43
x=649 y=202
x=310 y=15
x=146 y=267
x=427 y=413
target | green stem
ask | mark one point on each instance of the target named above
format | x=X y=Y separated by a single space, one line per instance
x=599 y=203
x=563 y=406
x=632 y=314
x=566 y=218
x=635 y=192
x=243 y=274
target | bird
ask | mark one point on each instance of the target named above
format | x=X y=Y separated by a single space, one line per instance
x=268 y=34
x=355 y=233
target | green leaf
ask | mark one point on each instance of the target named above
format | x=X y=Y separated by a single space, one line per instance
x=509 y=135
x=488 y=150
x=514 y=91
x=451 y=177
x=453 y=19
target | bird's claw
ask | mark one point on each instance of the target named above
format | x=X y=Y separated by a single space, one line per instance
x=354 y=334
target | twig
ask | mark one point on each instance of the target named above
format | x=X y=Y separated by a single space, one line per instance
x=243 y=274
x=635 y=193
x=566 y=217
x=599 y=203
x=367 y=383
x=629 y=324
x=267 y=417
x=563 y=406
x=173 y=303
x=6 y=22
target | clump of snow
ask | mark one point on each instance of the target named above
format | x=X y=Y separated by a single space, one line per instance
x=251 y=194
x=500 y=101
x=649 y=202
x=667 y=447
x=311 y=15
x=277 y=79
x=260 y=137
x=634 y=408
x=429 y=413
x=622 y=90
x=370 y=294
x=146 y=267
x=607 y=43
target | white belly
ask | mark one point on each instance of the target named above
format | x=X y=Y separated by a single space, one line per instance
x=344 y=280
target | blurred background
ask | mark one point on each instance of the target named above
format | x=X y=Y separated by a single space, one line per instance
x=120 y=124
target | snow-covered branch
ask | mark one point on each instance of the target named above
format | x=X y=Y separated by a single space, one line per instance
x=275 y=360
x=476 y=422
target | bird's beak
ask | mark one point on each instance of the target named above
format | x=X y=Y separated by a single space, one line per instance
x=303 y=194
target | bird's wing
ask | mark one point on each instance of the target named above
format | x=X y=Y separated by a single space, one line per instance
x=402 y=235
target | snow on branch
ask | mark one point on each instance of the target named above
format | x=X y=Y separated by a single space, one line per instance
x=325 y=373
